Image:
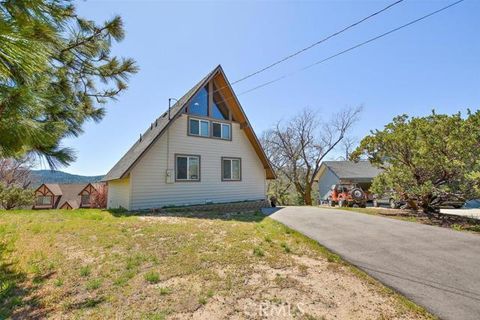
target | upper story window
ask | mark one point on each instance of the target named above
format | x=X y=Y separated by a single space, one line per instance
x=209 y=102
x=219 y=108
x=43 y=201
x=187 y=168
x=221 y=130
x=85 y=200
x=198 y=127
x=199 y=104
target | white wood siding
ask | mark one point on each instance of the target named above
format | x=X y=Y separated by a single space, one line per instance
x=119 y=193
x=148 y=177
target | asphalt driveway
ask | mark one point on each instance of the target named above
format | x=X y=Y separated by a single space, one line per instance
x=435 y=267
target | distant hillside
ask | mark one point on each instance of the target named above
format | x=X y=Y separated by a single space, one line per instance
x=53 y=176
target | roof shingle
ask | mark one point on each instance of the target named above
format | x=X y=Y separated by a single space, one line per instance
x=353 y=170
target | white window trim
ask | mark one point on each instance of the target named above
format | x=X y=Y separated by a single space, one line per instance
x=222 y=124
x=199 y=127
x=231 y=168
x=188 y=156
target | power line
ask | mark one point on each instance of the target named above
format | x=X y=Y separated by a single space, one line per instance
x=309 y=47
x=316 y=43
x=352 y=48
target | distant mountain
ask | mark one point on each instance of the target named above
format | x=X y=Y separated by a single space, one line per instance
x=54 y=176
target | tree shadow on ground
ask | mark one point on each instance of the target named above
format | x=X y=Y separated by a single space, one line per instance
x=17 y=300
x=242 y=216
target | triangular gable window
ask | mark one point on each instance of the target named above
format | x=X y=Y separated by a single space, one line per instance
x=199 y=104
x=219 y=108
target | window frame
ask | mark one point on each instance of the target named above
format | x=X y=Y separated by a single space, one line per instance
x=82 y=204
x=43 y=196
x=200 y=120
x=222 y=123
x=188 y=156
x=207 y=89
x=231 y=169
x=210 y=127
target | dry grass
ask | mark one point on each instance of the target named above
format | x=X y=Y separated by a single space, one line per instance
x=97 y=264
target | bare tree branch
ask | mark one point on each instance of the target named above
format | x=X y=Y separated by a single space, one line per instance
x=297 y=148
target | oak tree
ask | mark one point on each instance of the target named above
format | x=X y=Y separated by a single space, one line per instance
x=426 y=160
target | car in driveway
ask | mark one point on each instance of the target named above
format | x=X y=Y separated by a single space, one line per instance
x=387 y=200
x=347 y=195
x=394 y=202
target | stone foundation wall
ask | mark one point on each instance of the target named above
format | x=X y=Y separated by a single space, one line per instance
x=219 y=207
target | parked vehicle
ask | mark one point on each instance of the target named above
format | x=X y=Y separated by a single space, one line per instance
x=394 y=202
x=347 y=195
x=387 y=199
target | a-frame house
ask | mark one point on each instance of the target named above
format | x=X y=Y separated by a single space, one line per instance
x=202 y=150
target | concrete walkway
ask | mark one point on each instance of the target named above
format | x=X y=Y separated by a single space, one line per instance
x=435 y=267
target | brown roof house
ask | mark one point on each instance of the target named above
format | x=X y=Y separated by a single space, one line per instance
x=202 y=150
x=65 y=196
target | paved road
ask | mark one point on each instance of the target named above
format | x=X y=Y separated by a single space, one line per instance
x=435 y=267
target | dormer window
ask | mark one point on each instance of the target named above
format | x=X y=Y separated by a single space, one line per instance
x=85 y=200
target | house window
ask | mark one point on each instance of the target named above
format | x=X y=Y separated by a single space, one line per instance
x=199 y=104
x=85 y=200
x=187 y=168
x=231 y=169
x=219 y=108
x=221 y=130
x=44 y=201
x=199 y=127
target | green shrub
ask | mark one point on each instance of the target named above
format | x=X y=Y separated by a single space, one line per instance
x=94 y=284
x=85 y=271
x=286 y=247
x=258 y=252
x=164 y=291
x=152 y=277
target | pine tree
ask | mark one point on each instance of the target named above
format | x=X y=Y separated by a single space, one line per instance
x=56 y=72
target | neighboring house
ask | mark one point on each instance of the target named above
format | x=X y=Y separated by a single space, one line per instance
x=65 y=196
x=334 y=172
x=202 y=150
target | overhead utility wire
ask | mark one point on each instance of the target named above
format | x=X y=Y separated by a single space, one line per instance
x=352 y=48
x=316 y=43
x=339 y=53
x=309 y=47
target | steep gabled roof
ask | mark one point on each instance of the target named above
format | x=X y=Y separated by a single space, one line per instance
x=70 y=194
x=157 y=128
x=352 y=170
x=54 y=188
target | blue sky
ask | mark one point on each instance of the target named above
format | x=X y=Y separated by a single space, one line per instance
x=432 y=64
